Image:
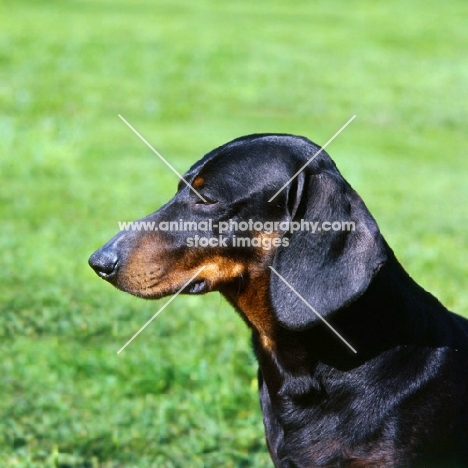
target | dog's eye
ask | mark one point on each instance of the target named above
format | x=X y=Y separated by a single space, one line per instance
x=206 y=201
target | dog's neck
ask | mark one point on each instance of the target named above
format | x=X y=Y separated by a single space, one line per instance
x=384 y=318
x=251 y=299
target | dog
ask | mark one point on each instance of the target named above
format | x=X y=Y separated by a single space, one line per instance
x=393 y=392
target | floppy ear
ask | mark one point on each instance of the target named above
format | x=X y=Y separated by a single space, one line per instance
x=329 y=268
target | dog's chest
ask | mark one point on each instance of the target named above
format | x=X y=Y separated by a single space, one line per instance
x=323 y=440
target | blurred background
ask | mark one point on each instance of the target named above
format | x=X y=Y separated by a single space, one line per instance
x=190 y=76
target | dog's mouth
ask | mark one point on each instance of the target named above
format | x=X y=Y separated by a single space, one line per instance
x=199 y=286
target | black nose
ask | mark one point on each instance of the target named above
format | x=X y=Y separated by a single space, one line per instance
x=104 y=262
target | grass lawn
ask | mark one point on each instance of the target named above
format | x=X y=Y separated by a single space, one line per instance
x=191 y=76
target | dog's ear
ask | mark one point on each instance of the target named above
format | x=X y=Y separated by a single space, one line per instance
x=333 y=266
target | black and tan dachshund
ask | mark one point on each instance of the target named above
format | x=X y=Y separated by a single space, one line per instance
x=402 y=399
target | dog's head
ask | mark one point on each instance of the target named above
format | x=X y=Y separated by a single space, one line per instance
x=316 y=232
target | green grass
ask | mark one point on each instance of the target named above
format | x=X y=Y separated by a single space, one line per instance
x=190 y=76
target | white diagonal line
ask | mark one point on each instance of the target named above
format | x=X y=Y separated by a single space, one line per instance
x=159 y=155
x=313 y=310
x=312 y=158
x=159 y=311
